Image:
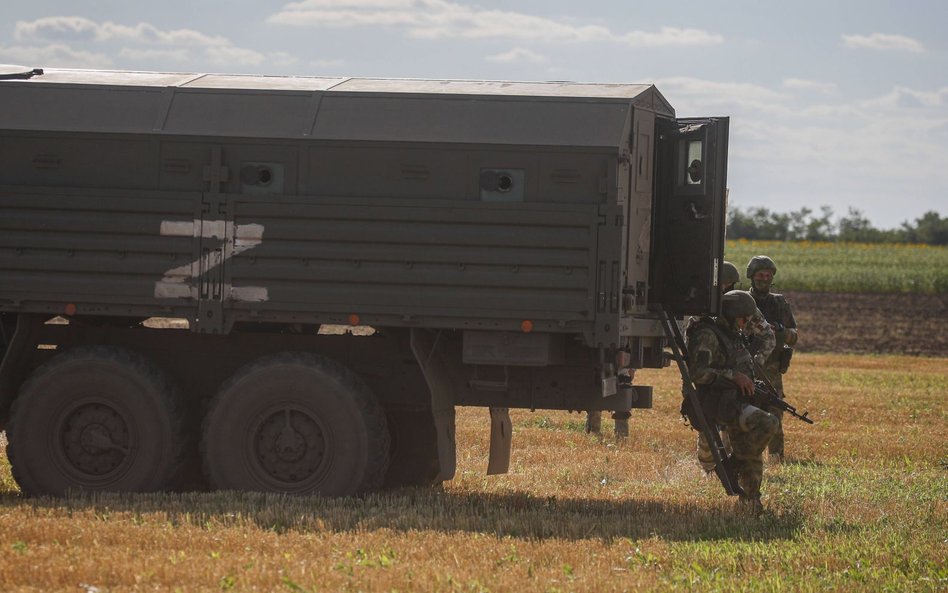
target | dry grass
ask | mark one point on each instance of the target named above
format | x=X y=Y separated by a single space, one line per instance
x=861 y=505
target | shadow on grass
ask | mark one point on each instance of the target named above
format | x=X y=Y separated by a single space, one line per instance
x=514 y=514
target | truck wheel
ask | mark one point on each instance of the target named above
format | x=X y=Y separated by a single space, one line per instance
x=295 y=423
x=96 y=418
x=414 y=457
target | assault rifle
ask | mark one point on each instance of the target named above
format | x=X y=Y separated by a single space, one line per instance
x=765 y=396
x=723 y=461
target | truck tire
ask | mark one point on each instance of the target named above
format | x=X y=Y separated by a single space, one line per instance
x=295 y=423
x=96 y=418
x=414 y=450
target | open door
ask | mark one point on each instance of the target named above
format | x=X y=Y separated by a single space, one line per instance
x=689 y=215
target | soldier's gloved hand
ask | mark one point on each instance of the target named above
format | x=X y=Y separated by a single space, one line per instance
x=744 y=383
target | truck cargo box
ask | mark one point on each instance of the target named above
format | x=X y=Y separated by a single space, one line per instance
x=522 y=235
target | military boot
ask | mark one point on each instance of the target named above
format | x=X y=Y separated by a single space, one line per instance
x=750 y=505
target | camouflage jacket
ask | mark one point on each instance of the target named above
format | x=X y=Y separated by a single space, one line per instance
x=760 y=335
x=777 y=312
x=715 y=353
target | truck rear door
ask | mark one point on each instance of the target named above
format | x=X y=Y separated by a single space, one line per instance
x=689 y=215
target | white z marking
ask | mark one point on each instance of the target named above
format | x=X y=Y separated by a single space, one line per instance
x=236 y=239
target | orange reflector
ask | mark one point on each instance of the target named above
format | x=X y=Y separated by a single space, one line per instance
x=70 y=309
x=353 y=319
x=526 y=326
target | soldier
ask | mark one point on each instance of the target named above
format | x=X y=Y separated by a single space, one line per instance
x=723 y=374
x=759 y=333
x=761 y=342
x=761 y=270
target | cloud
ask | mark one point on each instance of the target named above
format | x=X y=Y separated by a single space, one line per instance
x=518 y=54
x=52 y=39
x=828 y=88
x=71 y=28
x=897 y=135
x=155 y=55
x=883 y=42
x=436 y=19
x=790 y=148
x=59 y=54
x=691 y=92
x=234 y=55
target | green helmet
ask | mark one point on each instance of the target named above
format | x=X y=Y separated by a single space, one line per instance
x=760 y=262
x=737 y=303
x=729 y=274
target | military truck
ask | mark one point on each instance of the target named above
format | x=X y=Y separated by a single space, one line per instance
x=174 y=249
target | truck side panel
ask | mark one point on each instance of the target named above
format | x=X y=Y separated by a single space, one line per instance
x=102 y=251
x=448 y=263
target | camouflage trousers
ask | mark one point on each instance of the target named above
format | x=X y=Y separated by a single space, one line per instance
x=776 y=379
x=746 y=440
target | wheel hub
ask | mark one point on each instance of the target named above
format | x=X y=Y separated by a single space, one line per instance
x=95 y=439
x=289 y=445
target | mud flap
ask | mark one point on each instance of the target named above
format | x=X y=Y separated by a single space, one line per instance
x=424 y=345
x=501 y=430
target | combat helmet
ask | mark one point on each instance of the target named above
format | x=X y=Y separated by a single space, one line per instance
x=737 y=303
x=760 y=262
x=729 y=274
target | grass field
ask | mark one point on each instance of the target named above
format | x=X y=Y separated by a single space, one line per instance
x=848 y=267
x=859 y=506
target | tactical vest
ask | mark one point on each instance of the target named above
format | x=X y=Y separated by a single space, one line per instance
x=737 y=356
x=720 y=404
x=772 y=307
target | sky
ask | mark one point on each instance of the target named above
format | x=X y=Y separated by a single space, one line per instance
x=832 y=103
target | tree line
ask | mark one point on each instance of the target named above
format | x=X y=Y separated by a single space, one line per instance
x=806 y=225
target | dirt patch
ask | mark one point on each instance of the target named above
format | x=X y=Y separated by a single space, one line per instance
x=914 y=324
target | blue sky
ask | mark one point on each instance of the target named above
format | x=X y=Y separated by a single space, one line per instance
x=831 y=103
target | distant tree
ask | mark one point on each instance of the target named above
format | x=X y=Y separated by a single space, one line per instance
x=931 y=228
x=762 y=224
x=758 y=224
x=855 y=227
x=798 y=224
x=822 y=228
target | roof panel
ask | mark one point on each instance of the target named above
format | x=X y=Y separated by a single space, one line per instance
x=432 y=118
x=278 y=83
x=112 y=78
x=492 y=87
x=554 y=113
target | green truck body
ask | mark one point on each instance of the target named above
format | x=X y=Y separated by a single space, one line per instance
x=507 y=244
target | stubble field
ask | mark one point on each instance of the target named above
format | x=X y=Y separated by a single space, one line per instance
x=860 y=505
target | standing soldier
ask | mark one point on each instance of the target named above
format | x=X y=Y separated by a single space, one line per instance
x=722 y=371
x=761 y=271
x=759 y=333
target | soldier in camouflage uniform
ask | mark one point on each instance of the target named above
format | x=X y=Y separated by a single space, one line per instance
x=722 y=371
x=761 y=342
x=761 y=270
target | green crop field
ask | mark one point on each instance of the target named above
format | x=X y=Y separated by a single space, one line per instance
x=848 y=267
x=859 y=505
